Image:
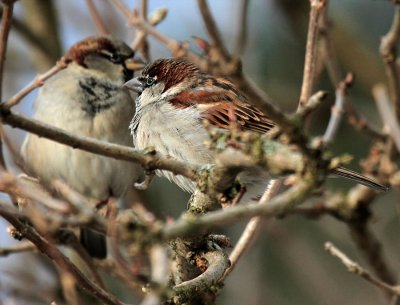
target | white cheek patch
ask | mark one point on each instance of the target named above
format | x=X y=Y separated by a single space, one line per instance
x=151 y=95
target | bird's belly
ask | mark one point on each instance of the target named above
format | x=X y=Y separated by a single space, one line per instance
x=94 y=176
x=179 y=136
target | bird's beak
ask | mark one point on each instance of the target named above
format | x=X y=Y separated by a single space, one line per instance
x=134 y=85
x=134 y=64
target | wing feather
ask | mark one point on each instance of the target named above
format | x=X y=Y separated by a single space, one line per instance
x=222 y=105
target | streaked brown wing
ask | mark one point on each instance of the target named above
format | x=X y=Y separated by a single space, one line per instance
x=223 y=105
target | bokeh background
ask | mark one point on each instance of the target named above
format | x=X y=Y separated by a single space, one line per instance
x=287 y=264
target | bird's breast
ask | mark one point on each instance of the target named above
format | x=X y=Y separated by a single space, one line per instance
x=174 y=132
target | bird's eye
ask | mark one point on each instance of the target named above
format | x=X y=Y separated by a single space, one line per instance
x=146 y=81
x=116 y=58
x=149 y=81
x=113 y=57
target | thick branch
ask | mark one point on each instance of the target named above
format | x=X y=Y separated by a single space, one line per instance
x=278 y=205
x=218 y=262
x=148 y=159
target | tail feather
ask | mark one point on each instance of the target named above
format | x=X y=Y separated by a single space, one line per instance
x=94 y=243
x=349 y=174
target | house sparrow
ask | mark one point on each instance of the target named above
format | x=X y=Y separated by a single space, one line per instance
x=174 y=100
x=86 y=98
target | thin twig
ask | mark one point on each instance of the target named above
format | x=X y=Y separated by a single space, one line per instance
x=38 y=81
x=312 y=104
x=68 y=286
x=122 y=7
x=388 y=49
x=317 y=7
x=249 y=233
x=138 y=22
x=13 y=151
x=329 y=52
x=62 y=261
x=155 y=18
x=97 y=20
x=77 y=246
x=355 y=268
x=371 y=248
x=125 y=269
x=212 y=29
x=386 y=112
x=360 y=122
x=26 y=246
x=41 y=18
x=355 y=118
x=144 y=45
x=243 y=26
x=31 y=38
x=27 y=188
x=160 y=271
x=5 y=30
x=337 y=109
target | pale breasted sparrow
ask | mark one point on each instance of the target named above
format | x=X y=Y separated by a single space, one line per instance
x=175 y=98
x=86 y=98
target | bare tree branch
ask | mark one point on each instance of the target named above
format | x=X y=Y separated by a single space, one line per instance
x=40 y=16
x=212 y=29
x=218 y=262
x=386 y=112
x=5 y=30
x=17 y=248
x=353 y=267
x=37 y=82
x=148 y=159
x=388 y=49
x=62 y=261
x=276 y=206
x=242 y=32
x=337 y=109
x=97 y=20
x=317 y=8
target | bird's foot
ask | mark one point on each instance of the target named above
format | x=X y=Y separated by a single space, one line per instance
x=146 y=182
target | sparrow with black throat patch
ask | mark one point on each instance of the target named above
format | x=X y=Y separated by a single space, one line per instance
x=86 y=98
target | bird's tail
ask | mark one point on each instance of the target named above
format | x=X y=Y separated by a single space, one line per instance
x=94 y=243
x=349 y=174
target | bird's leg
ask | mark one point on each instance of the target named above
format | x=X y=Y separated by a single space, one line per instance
x=234 y=196
x=100 y=204
x=146 y=182
x=239 y=195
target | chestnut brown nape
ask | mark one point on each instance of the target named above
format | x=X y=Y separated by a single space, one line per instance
x=171 y=71
x=93 y=44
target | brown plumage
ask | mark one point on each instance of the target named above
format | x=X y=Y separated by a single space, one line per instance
x=217 y=100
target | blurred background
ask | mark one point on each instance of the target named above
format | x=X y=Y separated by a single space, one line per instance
x=287 y=264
